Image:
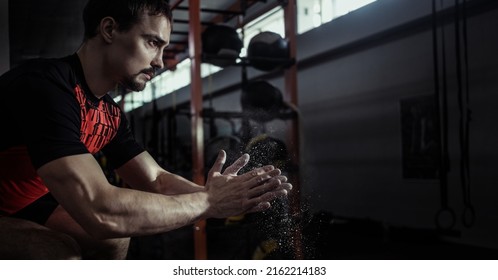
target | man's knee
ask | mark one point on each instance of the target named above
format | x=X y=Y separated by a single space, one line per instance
x=54 y=245
x=91 y=248
x=115 y=249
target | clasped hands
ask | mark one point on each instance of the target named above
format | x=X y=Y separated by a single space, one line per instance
x=230 y=194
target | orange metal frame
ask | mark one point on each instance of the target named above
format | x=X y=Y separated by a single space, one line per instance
x=195 y=54
x=290 y=16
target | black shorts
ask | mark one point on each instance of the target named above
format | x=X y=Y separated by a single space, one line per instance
x=38 y=211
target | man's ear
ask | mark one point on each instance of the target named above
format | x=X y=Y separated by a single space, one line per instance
x=107 y=28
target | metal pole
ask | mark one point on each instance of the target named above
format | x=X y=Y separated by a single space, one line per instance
x=290 y=16
x=195 y=53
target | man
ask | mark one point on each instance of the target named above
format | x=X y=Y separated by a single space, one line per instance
x=55 y=201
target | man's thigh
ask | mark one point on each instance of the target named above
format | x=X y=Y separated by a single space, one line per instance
x=45 y=222
x=23 y=239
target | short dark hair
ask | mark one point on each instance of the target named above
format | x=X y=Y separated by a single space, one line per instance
x=125 y=12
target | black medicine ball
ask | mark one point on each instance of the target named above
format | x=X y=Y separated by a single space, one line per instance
x=266 y=150
x=231 y=144
x=261 y=101
x=268 y=51
x=221 y=45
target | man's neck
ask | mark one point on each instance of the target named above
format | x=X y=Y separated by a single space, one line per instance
x=92 y=62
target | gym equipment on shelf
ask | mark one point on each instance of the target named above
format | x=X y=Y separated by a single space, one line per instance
x=261 y=101
x=221 y=45
x=268 y=51
x=267 y=150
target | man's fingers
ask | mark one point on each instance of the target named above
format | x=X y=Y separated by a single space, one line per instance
x=255 y=173
x=237 y=165
x=282 y=178
x=261 y=179
x=272 y=186
x=269 y=196
x=260 y=207
x=218 y=164
x=286 y=186
x=262 y=203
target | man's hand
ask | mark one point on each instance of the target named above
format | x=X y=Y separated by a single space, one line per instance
x=230 y=194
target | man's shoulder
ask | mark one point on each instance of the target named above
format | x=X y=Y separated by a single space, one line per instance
x=56 y=68
x=52 y=69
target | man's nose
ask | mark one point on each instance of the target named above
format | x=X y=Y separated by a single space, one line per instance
x=158 y=61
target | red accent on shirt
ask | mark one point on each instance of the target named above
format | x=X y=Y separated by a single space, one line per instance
x=21 y=185
x=99 y=122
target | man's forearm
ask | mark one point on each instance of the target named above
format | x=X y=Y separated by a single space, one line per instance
x=105 y=211
x=143 y=173
x=151 y=213
x=171 y=184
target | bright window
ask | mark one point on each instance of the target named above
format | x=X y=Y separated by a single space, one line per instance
x=313 y=13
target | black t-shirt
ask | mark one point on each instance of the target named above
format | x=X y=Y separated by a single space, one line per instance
x=47 y=111
x=47 y=106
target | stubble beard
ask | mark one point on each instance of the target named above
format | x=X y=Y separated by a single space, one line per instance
x=133 y=83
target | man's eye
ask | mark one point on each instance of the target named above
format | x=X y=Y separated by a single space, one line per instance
x=154 y=43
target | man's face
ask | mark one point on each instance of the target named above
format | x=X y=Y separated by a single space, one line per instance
x=136 y=54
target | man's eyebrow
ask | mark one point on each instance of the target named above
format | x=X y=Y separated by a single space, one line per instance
x=155 y=37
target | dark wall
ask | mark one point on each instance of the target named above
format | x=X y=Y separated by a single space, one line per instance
x=351 y=116
x=354 y=75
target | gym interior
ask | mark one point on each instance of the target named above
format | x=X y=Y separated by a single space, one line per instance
x=381 y=113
